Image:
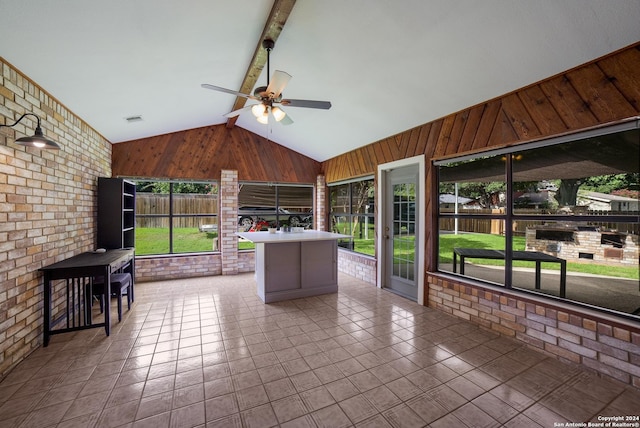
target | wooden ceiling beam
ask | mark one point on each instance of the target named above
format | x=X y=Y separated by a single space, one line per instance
x=272 y=29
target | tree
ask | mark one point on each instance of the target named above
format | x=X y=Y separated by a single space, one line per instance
x=567 y=193
x=163 y=187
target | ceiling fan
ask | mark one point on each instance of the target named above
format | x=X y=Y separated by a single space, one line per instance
x=270 y=95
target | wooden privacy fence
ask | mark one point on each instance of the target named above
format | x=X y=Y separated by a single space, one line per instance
x=152 y=209
x=496 y=226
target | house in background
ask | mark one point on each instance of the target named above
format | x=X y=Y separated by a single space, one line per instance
x=597 y=201
x=449 y=201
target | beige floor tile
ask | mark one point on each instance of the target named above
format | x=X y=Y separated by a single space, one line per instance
x=279 y=388
x=317 y=398
x=118 y=415
x=382 y=398
x=402 y=416
x=259 y=417
x=45 y=416
x=155 y=405
x=188 y=396
x=341 y=389
x=88 y=404
x=495 y=407
x=289 y=408
x=331 y=417
x=125 y=394
x=358 y=408
x=188 y=416
x=208 y=351
x=251 y=397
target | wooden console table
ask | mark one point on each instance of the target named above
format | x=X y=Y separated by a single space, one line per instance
x=78 y=273
x=531 y=256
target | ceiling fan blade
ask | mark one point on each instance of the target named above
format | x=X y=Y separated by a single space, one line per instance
x=239 y=111
x=286 y=120
x=227 y=91
x=324 y=105
x=278 y=81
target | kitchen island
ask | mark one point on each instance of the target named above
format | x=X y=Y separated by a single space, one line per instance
x=291 y=265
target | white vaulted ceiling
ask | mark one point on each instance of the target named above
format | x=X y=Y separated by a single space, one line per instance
x=386 y=66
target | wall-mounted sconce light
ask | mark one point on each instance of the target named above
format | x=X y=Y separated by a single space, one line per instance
x=38 y=140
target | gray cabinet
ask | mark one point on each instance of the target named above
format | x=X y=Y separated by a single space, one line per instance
x=116 y=213
x=291 y=270
x=295 y=265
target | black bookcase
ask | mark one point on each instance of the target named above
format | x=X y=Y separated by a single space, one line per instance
x=116 y=213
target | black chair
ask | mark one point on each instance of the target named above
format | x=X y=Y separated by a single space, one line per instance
x=121 y=284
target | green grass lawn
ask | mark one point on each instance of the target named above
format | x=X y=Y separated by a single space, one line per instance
x=155 y=240
x=496 y=242
x=151 y=241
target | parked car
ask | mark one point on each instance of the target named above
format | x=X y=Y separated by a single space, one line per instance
x=247 y=215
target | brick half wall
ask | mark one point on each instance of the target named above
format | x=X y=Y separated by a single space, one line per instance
x=357 y=265
x=610 y=347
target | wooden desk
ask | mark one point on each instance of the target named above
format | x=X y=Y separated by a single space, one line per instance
x=530 y=256
x=78 y=272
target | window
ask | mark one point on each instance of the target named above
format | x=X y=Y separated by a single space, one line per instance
x=558 y=218
x=352 y=213
x=176 y=217
x=262 y=205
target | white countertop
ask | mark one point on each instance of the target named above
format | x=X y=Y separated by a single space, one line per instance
x=307 y=235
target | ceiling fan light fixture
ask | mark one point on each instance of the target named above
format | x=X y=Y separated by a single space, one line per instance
x=278 y=113
x=264 y=119
x=258 y=110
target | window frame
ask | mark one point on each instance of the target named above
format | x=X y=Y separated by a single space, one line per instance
x=277 y=208
x=510 y=216
x=171 y=216
x=348 y=244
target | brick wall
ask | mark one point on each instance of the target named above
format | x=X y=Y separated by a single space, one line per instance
x=188 y=266
x=246 y=261
x=357 y=265
x=47 y=205
x=587 y=243
x=228 y=221
x=179 y=266
x=609 y=346
x=320 y=211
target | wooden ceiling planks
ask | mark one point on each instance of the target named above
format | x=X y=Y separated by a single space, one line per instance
x=571 y=109
x=603 y=98
x=625 y=64
x=201 y=153
x=519 y=118
x=443 y=143
x=542 y=112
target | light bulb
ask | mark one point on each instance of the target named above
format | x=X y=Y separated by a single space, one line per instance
x=278 y=113
x=258 y=110
x=264 y=119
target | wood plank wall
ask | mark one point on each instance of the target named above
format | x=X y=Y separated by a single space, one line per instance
x=605 y=90
x=201 y=153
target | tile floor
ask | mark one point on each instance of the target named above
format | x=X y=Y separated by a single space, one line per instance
x=208 y=353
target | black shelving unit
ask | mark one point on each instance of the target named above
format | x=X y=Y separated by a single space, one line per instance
x=116 y=213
